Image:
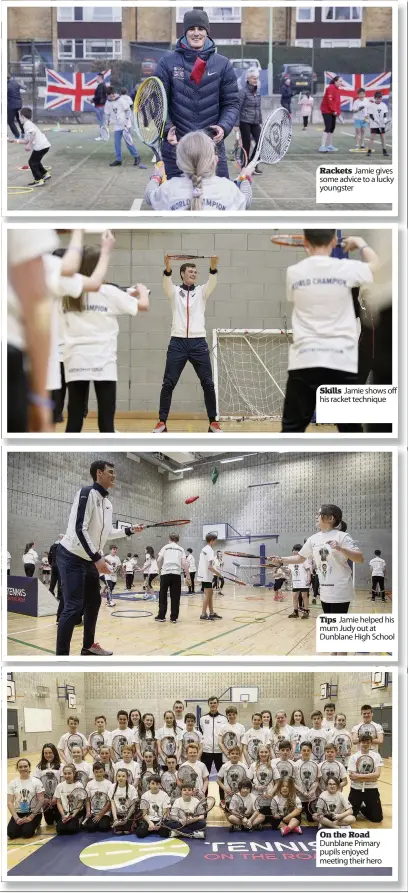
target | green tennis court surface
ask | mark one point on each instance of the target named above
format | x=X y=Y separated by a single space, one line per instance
x=81 y=179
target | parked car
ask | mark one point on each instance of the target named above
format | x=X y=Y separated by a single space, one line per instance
x=147 y=67
x=302 y=77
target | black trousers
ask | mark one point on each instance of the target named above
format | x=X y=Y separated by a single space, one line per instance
x=27 y=830
x=367 y=802
x=329 y=122
x=78 y=394
x=35 y=161
x=305 y=120
x=51 y=815
x=55 y=581
x=13 y=117
x=17 y=392
x=300 y=398
x=58 y=396
x=335 y=607
x=170 y=582
x=314 y=579
x=71 y=827
x=380 y=581
x=248 y=131
x=29 y=570
x=129 y=580
x=192 y=578
x=180 y=352
x=103 y=824
x=81 y=595
x=209 y=758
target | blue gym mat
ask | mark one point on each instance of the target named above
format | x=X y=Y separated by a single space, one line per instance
x=226 y=855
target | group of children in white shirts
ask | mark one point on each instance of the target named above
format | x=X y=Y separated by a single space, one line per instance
x=371 y=113
x=300 y=769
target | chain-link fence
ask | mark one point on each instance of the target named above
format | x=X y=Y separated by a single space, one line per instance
x=304 y=65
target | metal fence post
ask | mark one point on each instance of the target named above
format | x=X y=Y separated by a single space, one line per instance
x=34 y=81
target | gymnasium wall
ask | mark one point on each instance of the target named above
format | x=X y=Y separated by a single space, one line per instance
x=352 y=694
x=42 y=487
x=360 y=483
x=250 y=294
x=27 y=696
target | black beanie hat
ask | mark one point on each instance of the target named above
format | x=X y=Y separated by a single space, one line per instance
x=196 y=17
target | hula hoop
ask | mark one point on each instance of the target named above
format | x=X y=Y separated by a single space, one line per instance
x=128 y=613
x=19 y=190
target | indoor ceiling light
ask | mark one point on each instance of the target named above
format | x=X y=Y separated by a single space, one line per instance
x=238 y=459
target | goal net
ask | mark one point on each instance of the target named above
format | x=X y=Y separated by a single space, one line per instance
x=250 y=372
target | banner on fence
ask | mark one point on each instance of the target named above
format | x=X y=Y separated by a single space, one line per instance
x=71 y=91
x=351 y=83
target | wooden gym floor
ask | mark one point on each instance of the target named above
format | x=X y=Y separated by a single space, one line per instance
x=19 y=849
x=132 y=423
x=252 y=624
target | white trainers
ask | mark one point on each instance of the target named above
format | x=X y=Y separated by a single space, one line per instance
x=111 y=604
x=198 y=835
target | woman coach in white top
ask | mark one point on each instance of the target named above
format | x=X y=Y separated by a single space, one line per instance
x=30 y=559
x=90 y=333
x=199 y=188
x=331 y=548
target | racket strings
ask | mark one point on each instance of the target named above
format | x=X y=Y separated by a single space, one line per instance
x=275 y=137
x=151 y=112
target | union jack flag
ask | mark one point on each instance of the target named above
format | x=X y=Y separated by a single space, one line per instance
x=74 y=90
x=351 y=83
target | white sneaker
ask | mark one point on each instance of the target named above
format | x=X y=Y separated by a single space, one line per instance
x=332 y=149
x=323 y=149
x=98 y=139
x=198 y=835
x=111 y=604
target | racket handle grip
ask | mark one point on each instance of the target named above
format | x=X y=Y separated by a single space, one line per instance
x=160 y=164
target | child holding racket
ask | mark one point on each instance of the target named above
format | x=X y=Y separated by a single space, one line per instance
x=168 y=738
x=114 y=564
x=331 y=767
x=299 y=730
x=145 y=737
x=73 y=736
x=306 y=779
x=191 y=735
x=98 y=803
x=285 y=810
x=378 y=118
x=22 y=793
x=122 y=735
x=231 y=733
x=171 y=561
x=241 y=807
x=283 y=766
x=281 y=731
x=300 y=586
x=364 y=770
x=150 y=572
x=260 y=772
x=123 y=803
x=230 y=774
x=118 y=112
x=369 y=727
x=360 y=113
x=105 y=757
x=333 y=810
x=198 y=769
x=155 y=804
x=70 y=797
x=178 y=710
x=129 y=764
x=325 y=334
x=341 y=738
x=129 y=568
x=199 y=188
x=253 y=738
x=83 y=769
x=48 y=771
x=187 y=824
x=149 y=766
x=99 y=737
x=36 y=143
x=188 y=342
x=205 y=573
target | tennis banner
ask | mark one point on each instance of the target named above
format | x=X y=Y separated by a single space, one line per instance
x=351 y=83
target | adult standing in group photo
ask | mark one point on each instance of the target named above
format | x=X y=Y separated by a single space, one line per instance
x=202 y=91
x=250 y=114
x=80 y=558
x=211 y=724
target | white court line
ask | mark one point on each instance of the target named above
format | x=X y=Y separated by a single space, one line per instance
x=136 y=204
x=376 y=141
x=32 y=629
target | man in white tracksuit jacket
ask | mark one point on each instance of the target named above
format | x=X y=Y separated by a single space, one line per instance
x=188 y=341
x=210 y=725
x=80 y=558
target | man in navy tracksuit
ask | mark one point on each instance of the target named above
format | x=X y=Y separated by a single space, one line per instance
x=80 y=558
x=202 y=91
x=188 y=342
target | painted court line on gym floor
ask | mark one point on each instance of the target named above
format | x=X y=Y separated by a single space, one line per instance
x=220 y=635
x=30 y=645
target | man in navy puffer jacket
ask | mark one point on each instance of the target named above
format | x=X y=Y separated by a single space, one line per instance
x=202 y=91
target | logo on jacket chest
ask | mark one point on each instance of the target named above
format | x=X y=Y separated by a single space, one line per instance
x=178 y=72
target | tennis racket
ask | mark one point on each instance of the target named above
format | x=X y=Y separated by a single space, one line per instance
x=275 y=808
x=169 y=746
x=367 y=728
x=233 y=578
x=274 y=141
x=364 y=766
x=189 y=256
x=176 y=816
x=318 y=747
x=263 y=776
x=148 y=745
x=187 y=775
x=321 y=807
x=285 y=769
x=127 y=136
x=168 y=782
x=145 y=780
x=150 y=109
x=153 y=812
x=189 y=738
x=74 y=741
x=234 y=775
x=104 y=132
x=263 y=804
x=242 y=555
x=30 y=806
x=49 y=783
x=95 y=742
x=329 y=770
x=204 y=807
x=98 y=802
x=253 y=747
x=166 y=523
x=343 y=743
x=184 y=819
x=82 y=777
x=76 y=799
x=125 y=809
x=237 y=806
x=229 y=739
x=118 y=743
x=308 y=774
x=387 y=126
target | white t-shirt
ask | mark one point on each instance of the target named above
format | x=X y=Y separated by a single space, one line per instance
x=114 y=563
x=206 y=556
x=201 y=771
x=8 y=560
x=23 y=245
x=40 y=139
x=228 y=765
x=378 y=114
x=336 y=803
x=91 y=336
x=299 y=733
x=360 y=109
x=283 y=804
x=300 y=575
x=30 y=557
x=128 y=565
x=107 y=738
x=173 y=557
x=78 y=737
x=328 y=724
x=84 y=770
x=188 y=305
x=262 y=736
x=191 y=562
x=187 y=806
x=124 y=733
x=343 y=742
x=325 y=763
x=219 y=194
x=133 y=768
x=41 y=774
x=166 y=732
x=23 y=791
x=352 y=767
x=378 y=728
x=92 y=788
x=117 y=112
x=333 y=569
x=317 y=738
x=377 y=567
x=62 y=792
x=305 y=771
x=285 y=734
x=189 y=738
x=158 y=804
x=237 y=729
x=324 y=323
x=150 y=566
x=249 y=803
x=119 y=796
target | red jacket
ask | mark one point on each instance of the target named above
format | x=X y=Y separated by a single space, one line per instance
x=331 y=104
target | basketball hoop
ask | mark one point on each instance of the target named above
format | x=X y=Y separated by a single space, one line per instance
x=291 y=240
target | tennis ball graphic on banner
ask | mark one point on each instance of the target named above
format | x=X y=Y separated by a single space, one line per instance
x=128 y=857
